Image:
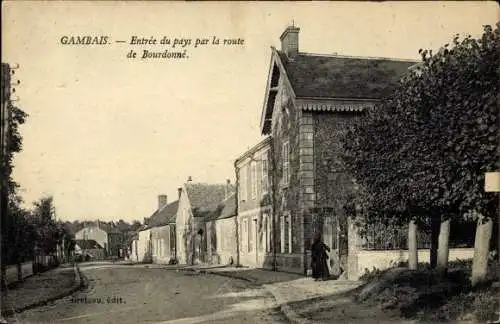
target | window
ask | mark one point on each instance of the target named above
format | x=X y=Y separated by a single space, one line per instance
x=251 y=236
x=269 y=234
x=286 y=234
x=286 y=163
x=262 y=234
x=264 y=167
x=253 y=179
x=243 y=183
x=244 y=235
x=265 y=242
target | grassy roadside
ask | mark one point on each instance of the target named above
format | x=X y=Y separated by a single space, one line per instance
x=425 y=295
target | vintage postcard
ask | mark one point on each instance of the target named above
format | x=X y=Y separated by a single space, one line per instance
x=249 y=162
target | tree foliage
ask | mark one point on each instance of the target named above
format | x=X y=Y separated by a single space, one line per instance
x=14 y=145
x=427 y=147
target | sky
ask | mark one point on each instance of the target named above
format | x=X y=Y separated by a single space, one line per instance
x=107 y=134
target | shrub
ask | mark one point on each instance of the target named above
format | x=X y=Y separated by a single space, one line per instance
x=370 y=275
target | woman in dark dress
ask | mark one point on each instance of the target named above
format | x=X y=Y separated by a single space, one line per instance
x=319 y=258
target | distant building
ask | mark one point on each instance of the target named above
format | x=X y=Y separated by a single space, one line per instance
x=94 y=233
x=162 y=225
x=115 y=243
x=91 y=248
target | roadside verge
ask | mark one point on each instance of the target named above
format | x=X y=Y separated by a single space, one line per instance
x=39 y=290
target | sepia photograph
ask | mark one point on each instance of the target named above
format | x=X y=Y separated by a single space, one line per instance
x=306 y=162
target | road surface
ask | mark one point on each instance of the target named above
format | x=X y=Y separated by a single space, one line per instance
x=137 y=294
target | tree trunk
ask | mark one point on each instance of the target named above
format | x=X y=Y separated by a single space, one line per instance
x=443 y=246
x=412 y=245
x=435 y=224
x=481 y=249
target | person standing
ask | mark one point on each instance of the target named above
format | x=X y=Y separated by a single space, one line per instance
x=319 y=257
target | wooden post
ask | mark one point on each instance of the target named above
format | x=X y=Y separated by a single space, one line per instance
x=412 y=245
x=443 y=246
x=492 y=184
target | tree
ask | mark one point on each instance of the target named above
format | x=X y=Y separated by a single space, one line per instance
x=11 y=144
x=43 y=216
x=423 y=152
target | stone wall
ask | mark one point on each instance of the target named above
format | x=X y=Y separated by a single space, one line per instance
x=307 y=180
x=368 y=260
x=286 y=128
x=333 y=187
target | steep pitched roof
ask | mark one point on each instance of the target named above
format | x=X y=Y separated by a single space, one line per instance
x=334 y=76
x=164 y=216
x=206 y=198
x=88 y=244
x=229 y=208
x=225 y=209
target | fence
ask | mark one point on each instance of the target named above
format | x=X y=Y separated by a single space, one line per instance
x=387 y=237
x=11 y=272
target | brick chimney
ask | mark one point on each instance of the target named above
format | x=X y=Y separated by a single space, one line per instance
x=162 y=201
x=290 y=41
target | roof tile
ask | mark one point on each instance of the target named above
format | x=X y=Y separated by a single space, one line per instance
x=164 y=216
x=343 y=77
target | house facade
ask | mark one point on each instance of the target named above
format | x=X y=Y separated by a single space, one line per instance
x=142 y=247
x=156 y=242
x=162 y=224
x=94 y=233
x=308 y=100
x=91 y=248
x=115 y=243
x=221 y=228
x=198 y=202
x=254 y=210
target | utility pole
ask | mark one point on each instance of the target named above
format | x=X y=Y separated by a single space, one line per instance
x=3 y=183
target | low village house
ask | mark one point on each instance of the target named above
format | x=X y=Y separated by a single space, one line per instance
x=199 y=227
x=108 y=238
x=291 y=184
x=89 y=250
x=92 y=239
x=201 y=207
x=162 y=224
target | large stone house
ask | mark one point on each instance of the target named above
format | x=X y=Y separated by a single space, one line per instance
x=308 y=98
x=198 y=203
